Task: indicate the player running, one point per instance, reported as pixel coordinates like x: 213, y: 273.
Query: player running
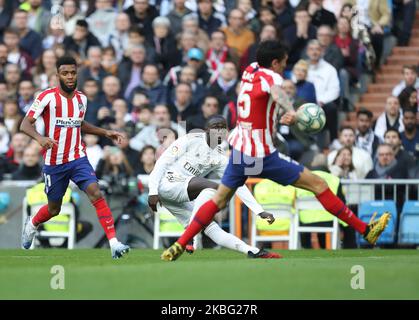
x: 62, y: 109
x: 177, y: 183
x: 253, y: 154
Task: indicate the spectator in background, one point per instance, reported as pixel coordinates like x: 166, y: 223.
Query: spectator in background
x: 26, y: 94
x: 403, y: 157
x: 209, y: 19
x: 94, y: 151
x: 403, y: 18
x: 14, y: 156
x: 164, y: 44
x: 376, y: 16
x: 147, y: 160
x: 119, y: 37
x: 326, y: 82
x: 102, y: 21
x: 17, y: 55
x: 187, y: 41
x: 319, y: 15
x: 342, y: 165
x: 4, y: 143
x: 219, y: 52
x: 39, y: 17
x: 30, y: 41
x: 166, y: 138
x: 6, y: 13
x: 390, y: 118
x: 176, y: 15
x: 297, y: 35
x: 12, y: 76
x: 93, y: 67
x: 12, y: 116
x: 334, y: 6
x: 360, y: 158
x: 410, y: 78
x: 182, y: 107
x: 365, y: 137
x: 81, y: 40
x: 349, y: 47
x: 225, y: 86
x: 44, y: 69
x: 188, y: 75
x: 209, y: 108
x: 267, y: 16
x: 3, y: 95
x: 109, y: 63
x: 410, y: 135
x: 268, y: 32
x: 71, y: 14
x: 408, y: 98
x: 91, y: 90
x: 151, y: 85
x: 190, y: 23
x: 237, y: 34
x: 283, y: 12
x: 305, y: 89
x: 3, y: 58
x: 149, y: 134
x: 387, y: 166
x: 136, y: 37
x: 129, y: 70
x: 132, y: 156
x: 142, y: 14
x: 55, y: 34
x: 250, y: 15
x: 114, y: 167
x: 30, y: 168
x: 111, y: 88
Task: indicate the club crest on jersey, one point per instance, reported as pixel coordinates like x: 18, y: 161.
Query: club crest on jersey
x: 82, y: 108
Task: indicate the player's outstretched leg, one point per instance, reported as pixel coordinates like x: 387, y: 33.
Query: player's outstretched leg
x: 45, y: 213
x: 105, y: 217
x: 371, y: 232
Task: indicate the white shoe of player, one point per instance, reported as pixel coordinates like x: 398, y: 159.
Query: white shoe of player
x: 118, y: 249
x: 28, y: 233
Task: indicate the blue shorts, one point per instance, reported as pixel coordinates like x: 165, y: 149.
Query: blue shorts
x: 58, y: 177
x: 275, y: 167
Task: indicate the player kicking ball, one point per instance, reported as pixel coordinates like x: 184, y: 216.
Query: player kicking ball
x: 177, y: 183
x: 253, y: 153
x: 62, y: 109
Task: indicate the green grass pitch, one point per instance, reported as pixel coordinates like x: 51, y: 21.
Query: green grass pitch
x: 209, y: 274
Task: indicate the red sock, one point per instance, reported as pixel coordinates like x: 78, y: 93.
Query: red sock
x: 42, y: 216
x: 336, y: 207
x: 105, y: 217
x: 201, y: 219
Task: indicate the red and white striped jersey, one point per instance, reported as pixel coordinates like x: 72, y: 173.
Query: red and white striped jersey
x: 63, y: 118
x: 257, y: 112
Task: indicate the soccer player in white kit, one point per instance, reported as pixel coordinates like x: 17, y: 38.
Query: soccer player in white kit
x: 178, y: 183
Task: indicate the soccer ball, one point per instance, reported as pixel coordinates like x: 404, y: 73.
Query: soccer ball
x: 310, y: 118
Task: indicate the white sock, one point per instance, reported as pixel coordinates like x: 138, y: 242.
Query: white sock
x: 113, y: 241
x: 227, y: 240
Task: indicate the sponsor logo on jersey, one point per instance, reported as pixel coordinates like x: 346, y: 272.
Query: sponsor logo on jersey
x: 188, y: 167
x: 68, y: 122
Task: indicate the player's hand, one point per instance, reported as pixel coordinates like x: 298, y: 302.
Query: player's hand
x: 153, y: 201
x: 115, y: 136
x: 47, y: 143
x: 289, y: 118
x: 267, y: 216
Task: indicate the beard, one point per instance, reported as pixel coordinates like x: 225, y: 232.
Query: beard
x: 68, y: 89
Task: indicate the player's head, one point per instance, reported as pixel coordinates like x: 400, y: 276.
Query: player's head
x: 272, y: 54
x: 67, y: 73
x: 216, y: 128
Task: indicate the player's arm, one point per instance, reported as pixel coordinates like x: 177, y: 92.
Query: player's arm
x: 28, y: 123
x: 169, y: 156
x: 247, y: 197
x: 89, y: 128
x: 282, y: 99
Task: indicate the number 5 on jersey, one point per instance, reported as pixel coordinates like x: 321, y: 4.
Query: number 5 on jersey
x: 243, y: 101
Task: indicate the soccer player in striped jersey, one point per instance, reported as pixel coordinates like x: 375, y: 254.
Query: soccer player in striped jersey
x: 258, y: 104
x: 62, y: 109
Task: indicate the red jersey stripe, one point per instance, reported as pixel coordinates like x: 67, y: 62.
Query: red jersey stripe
x: 69, y: 131
x: 57, y: 129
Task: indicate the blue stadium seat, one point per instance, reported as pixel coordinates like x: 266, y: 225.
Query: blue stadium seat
x: 409, y: 223
x: 365, y: 213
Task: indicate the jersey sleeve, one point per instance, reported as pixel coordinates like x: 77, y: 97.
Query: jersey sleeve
x: 38, y: 106
x: 169, y: 156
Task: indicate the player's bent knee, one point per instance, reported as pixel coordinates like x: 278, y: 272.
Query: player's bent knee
x: 54, y: 211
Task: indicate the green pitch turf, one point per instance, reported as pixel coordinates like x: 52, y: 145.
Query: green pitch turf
x: 209, y: 274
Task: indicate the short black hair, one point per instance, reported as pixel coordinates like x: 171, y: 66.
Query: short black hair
x: 364, y: 111
x: 268, y: 51
x: 82, y: 23
x: 65, y: 60
x: 412, y: 110
x: 393, y: 130
x: 215, y: 118
x: 346, y: 128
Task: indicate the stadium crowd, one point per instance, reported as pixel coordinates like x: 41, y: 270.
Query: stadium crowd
x: 158, y: 69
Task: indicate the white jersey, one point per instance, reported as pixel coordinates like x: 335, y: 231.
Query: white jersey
x: 187, y: 157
